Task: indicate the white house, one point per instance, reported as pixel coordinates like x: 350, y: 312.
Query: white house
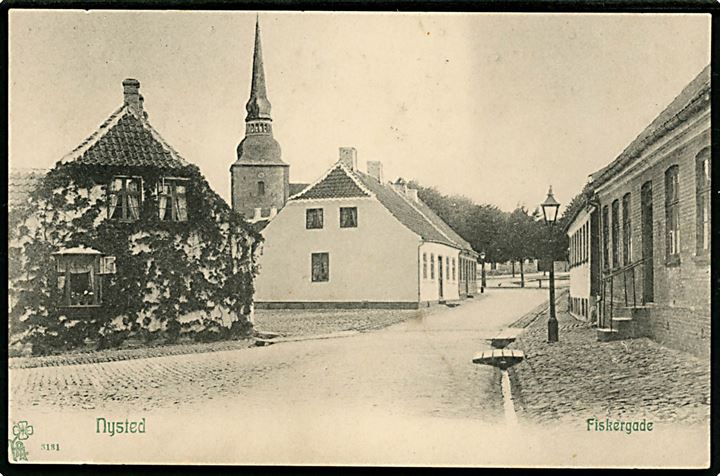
x: 353, y: 240
x: 580, y: 259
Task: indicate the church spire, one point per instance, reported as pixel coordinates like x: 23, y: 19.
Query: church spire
x: 258, y: 106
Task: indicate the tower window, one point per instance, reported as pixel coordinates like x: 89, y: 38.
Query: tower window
x: 261, y: 187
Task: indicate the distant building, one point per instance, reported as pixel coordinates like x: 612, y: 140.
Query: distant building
x: 652, y: 206
x: 583, y: 264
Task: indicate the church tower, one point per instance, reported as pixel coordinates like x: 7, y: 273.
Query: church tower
x: 259, y: 178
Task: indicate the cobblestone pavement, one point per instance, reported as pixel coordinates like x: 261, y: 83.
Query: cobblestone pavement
x: 114, y: 355
x: 579, y: 377
x: 421, y: 366
x: 292, y: 322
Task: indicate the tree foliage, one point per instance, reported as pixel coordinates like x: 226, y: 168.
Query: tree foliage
x: 166, y: 271
x: 503, y: 236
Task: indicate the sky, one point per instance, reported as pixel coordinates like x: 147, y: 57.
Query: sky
x: 495, y: 107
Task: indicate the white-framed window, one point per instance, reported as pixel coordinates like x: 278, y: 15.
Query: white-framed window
x: 125, y: 198
x: 425, y: 266
x: 702, y: 191
x: 320, y: 267
x: 313, y: 218
x: 172, y: 200
x: 348, y: 217
x: 672, y: 214
x: 80, y: 278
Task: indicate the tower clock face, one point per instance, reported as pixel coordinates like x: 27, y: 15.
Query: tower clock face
x: 261, y: 175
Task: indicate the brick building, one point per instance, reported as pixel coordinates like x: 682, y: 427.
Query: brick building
x: 652, y: 204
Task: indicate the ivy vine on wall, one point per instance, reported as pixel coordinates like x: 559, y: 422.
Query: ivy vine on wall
x: 192, y: 278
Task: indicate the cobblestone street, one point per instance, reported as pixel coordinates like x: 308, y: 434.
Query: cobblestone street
x: 408, y: 392
x: 579, y: 377
x: 422, y: 365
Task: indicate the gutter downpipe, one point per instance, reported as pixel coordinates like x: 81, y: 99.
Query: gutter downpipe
x: 419, y: 271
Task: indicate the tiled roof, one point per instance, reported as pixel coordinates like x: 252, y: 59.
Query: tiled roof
x: 340, y: 182
x: 21, y: 182
x: 336, y: 184
x: 401, y: 209
x: 444, y: 227
x: 697, y: 88
x: 126, y: 139
x: 296, y: 188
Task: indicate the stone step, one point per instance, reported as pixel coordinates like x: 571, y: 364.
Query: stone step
x: 607, y: 335
x: 266, y: 334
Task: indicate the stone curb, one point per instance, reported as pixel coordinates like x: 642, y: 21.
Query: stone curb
x: 117, y: 355
x: 260, y: 342
x: 527, y: 319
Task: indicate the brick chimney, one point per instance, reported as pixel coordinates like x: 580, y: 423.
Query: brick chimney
x: 348, y: 156
x: 375, y: 169
x: 132, y: 96
x: 400, y: 186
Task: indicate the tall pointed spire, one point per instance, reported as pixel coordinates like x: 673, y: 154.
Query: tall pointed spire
x: 258, y: 106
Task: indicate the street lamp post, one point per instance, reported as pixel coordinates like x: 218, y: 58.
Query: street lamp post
x: 482, y: 272
x: 550, y: 210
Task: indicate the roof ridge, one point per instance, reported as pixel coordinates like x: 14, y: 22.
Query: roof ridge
x: 93, y: 138
x: 336, y: 165
x: 156, y: 135
x: 688, y: 95
x: 442, y: 232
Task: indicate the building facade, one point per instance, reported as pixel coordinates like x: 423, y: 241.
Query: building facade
x: 583, y: 264
x: 653, y: 206
x: 124, y: 238
x: 352, y: 240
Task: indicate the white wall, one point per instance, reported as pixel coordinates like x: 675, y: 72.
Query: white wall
x: 376, y: 262
x: 580, y: 274
x: 429, y: 287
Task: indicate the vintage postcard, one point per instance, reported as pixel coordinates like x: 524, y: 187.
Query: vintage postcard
x: 368, y: 239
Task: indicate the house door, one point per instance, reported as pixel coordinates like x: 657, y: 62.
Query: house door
x: 440, y: 276
x: 647, y: 241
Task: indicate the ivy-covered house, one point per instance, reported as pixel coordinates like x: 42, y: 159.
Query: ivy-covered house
x: 125, y: 238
